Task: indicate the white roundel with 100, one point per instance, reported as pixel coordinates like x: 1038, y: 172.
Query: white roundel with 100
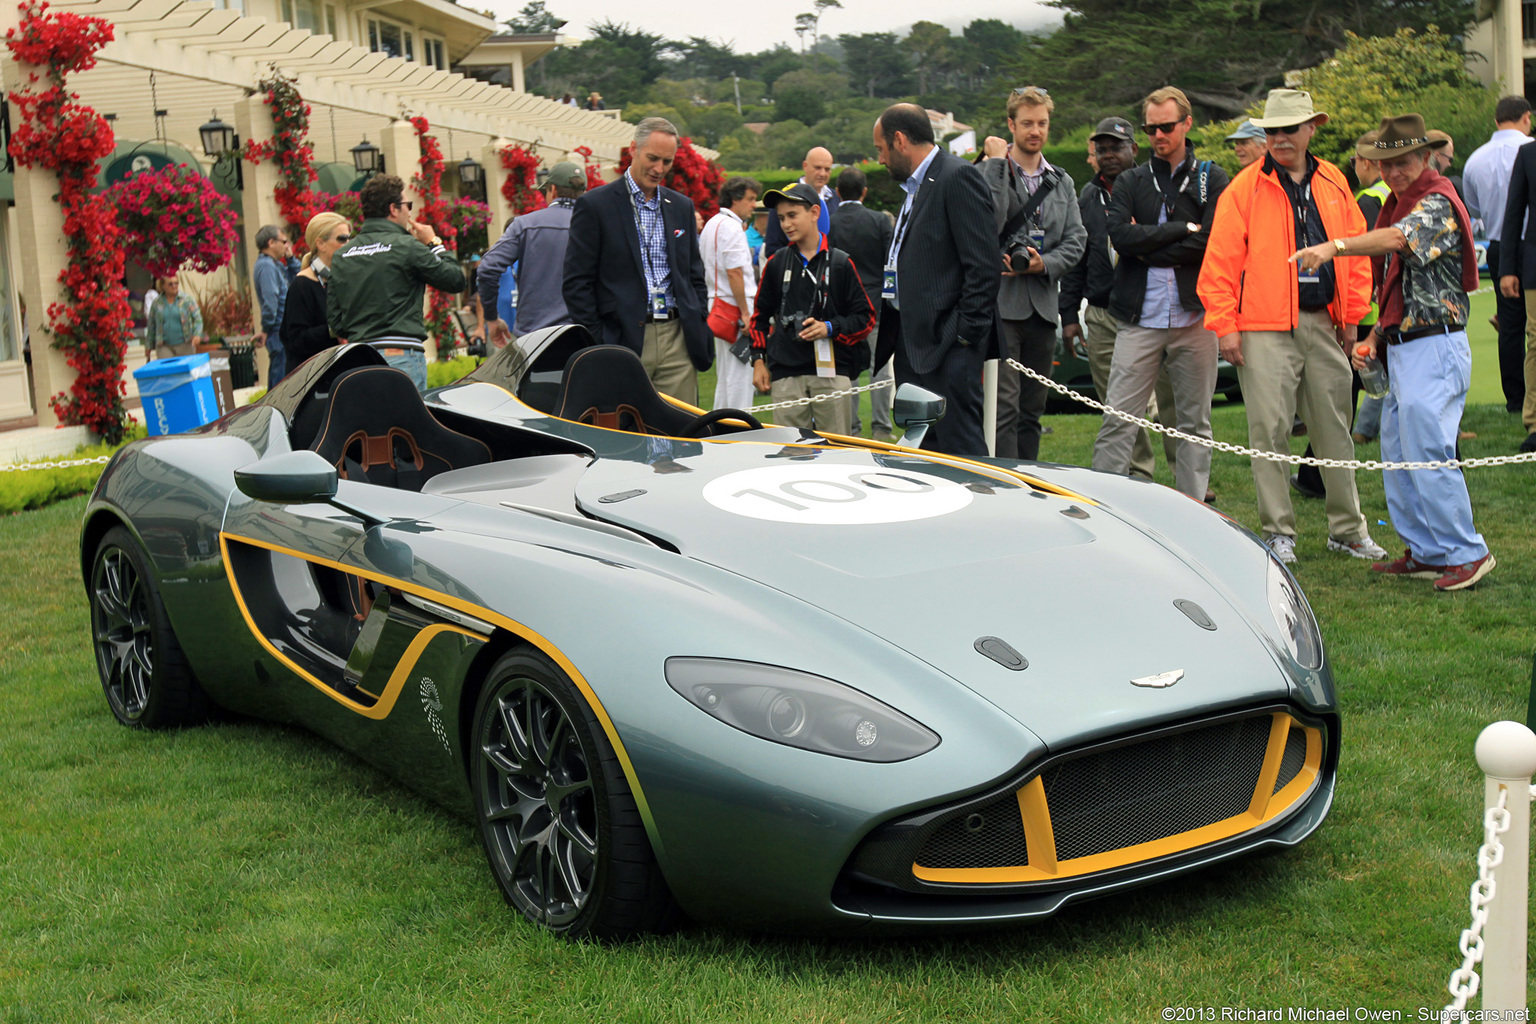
x: 833, y: 495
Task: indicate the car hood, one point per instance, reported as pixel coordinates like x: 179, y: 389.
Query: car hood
x: 937, y: 556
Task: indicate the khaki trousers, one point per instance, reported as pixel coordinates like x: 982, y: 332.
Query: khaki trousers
x: 1528, y: 411
x: 1100, y: 329
x: 827, y: 417
x: 665, y: 358
x: 1305, y: 372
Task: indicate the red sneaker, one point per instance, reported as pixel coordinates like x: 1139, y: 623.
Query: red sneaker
x: 1409, y: 566
x: 1459, y: 577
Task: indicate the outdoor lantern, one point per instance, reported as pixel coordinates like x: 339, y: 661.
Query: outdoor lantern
x: 218, y: 137
x: 367, y: 158
x: 470, y: 173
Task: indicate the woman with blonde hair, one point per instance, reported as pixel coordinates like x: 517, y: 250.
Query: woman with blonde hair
x: 305, y: 331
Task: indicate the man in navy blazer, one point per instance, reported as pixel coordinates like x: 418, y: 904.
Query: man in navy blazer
x: 939, y: 317
x: 1517, y: 270
x: 633, y: 275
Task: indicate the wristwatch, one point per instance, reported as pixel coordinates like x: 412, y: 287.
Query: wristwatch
x: 1338, y: 244
x: 435, y: 242
x: 1194, y: 228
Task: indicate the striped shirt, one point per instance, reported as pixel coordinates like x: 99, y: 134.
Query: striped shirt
x: 652, y: 230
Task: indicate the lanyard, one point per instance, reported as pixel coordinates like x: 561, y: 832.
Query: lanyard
x: 1168, y: 201
x: 1300, y: 201
x: 902, y: 223
x: 819, y: 296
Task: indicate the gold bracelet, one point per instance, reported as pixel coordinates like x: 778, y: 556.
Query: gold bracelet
x: 1338, y: 243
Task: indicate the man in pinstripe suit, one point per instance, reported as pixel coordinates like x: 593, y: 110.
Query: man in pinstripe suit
x: 939, y: 314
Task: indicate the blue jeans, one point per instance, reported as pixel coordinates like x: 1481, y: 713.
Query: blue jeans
x: 413, y: 363
x: 1420, y: 417
x: 1368, y: 418
x: 277, y: 361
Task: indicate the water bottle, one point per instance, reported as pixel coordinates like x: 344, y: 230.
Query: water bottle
x: 1373, y: 376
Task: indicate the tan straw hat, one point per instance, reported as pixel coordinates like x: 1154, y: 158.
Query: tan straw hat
x: 1398, y: 136
x: 1285, y: 107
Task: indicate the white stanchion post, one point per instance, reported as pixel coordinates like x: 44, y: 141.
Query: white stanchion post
x: 989, y: 404
x: 1506, y: 752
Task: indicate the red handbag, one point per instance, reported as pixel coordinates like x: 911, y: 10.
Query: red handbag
x: 723, y: 316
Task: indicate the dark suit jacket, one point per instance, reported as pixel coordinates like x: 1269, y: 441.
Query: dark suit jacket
x: 865, y: 235
x: 604, y: 285
x: 775, y: 240
x: 1520, y: 259
x: 948, y: 269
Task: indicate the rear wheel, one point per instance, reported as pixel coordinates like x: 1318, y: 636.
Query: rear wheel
x: 144, y: 673
x: 560, y: 826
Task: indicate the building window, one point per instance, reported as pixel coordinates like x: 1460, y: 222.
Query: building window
x: 302, y: 14
x: 388, y: 37
x: 434, y: 53
x: 330, y: 21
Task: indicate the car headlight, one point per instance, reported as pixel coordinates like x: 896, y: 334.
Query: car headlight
x: 1297, y: 626
x: 798, y: 709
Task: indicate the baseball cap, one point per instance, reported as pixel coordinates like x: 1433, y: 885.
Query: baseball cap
x: 566, y: 175
x: 1247, y: 130
x: 1115, y: 128
x: 798, y: 192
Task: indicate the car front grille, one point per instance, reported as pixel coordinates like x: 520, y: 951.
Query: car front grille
x: 1111, y: 805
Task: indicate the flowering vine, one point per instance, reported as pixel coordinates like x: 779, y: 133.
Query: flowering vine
x: 692, y: 175
x: 290, y: 150
x: 174, y: 217
x: 58, y: 133
x: 434, y: 211
x: 521, y: 187
x: 594, y: 176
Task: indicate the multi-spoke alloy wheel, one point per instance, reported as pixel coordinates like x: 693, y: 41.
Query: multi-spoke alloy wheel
x: 143, y: 672
x: 560, y: 826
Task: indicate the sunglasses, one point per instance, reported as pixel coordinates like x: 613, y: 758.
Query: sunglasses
x: 408, y: 204
x: 342, y: 238
x: 1022, y: 89
x: 1166, y: 128
x: 1290, y: 129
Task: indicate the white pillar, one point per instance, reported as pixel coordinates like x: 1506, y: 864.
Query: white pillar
x: 1509, y: 48
x: 258, y: 198
x: 402, y: 154
x: 495, y: 177
x: 1506, y: 752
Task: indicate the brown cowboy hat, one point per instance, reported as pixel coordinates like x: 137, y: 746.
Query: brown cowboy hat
x: 1398, y: 136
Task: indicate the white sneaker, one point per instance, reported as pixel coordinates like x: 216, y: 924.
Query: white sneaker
x: 1363, y: 548
x: 1284, y: 547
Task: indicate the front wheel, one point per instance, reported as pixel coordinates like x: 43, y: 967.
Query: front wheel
x: 144, y: 673
x: 560, y: 825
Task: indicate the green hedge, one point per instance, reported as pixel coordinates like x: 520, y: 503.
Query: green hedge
x: 34, y: 488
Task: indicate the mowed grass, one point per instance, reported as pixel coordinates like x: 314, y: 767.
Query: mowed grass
x: 253, y: 873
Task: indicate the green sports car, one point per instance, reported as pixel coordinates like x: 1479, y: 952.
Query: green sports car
x: 672, y: 662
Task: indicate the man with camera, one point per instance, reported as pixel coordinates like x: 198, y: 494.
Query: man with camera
x: 810, y: 319
x: 1042, y: 237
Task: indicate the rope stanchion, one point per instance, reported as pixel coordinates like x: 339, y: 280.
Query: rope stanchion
x: 1251, y: 453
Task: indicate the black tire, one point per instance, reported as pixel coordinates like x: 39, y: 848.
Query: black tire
x: 144, y: 674
x: 559, y: 823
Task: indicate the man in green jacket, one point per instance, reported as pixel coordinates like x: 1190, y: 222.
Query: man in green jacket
x: 378, y: 282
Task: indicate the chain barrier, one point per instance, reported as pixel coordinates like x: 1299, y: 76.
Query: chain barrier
x: 23, y: 467
x: 830, y: 396
x: 1465, y: 979
x: 1235, y: 449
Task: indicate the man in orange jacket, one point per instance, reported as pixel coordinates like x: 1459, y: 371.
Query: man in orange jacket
x: 1288, y: 331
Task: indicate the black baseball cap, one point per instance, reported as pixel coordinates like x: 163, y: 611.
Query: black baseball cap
x: 798, y: 192
x: 1114, y: 128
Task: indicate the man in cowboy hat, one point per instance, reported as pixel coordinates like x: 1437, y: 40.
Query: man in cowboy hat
x: 1288, y: 333
x: 1428, y: 269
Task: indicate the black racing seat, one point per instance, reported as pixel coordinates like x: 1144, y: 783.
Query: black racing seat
x: 607, y: 386
x: 375, y: 428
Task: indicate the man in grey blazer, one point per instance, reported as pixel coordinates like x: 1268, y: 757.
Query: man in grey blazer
x: 939, y: 286
x: 1041, y: 233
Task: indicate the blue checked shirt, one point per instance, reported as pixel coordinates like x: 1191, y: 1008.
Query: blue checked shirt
x: 653, y: 241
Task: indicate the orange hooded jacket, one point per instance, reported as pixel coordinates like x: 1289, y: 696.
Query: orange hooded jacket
x: 1246, y: 283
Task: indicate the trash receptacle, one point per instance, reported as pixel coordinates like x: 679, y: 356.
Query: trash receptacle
x: 177, y: 394
x: 242, y: 363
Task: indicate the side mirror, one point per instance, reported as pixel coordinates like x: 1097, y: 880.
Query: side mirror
x: 295, y: 478
x: 916, y: 410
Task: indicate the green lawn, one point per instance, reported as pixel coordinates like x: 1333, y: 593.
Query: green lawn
x: 252, y: 873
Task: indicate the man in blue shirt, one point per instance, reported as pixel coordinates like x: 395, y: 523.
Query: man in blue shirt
x: 535, y: 243
x: 272, y: 278
x: 1485, y: 185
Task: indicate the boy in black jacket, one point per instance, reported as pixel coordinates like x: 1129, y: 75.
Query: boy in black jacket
x: 811, y: 316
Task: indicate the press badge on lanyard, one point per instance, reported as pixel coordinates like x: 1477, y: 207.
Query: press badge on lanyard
x: 659, y: 303
x: 1303, y: 275
x: 888, y: 282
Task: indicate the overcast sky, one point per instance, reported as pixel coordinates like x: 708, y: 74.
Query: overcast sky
x: 753, y: 27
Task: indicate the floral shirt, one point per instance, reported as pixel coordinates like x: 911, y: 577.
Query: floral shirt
x: 173, y: 321
x: 1432, y: 292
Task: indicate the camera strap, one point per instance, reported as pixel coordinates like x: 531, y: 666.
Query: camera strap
x: 1031, y: 205
x: 819, y: 289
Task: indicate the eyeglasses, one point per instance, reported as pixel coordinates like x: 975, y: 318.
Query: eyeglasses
x: 1166, y: 128
x: 408, y: 204
x: 1019, y: 90
x: 1290, y: 129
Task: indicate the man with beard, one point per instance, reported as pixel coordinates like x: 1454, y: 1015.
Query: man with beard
x: 939, y: 286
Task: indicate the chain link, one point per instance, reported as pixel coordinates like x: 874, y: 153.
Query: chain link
x: 830, y: 396
x: 1464, y: 979
x: 23, y: 467
x: 1235, y: 449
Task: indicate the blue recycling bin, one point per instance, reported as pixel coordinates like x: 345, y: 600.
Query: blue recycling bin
x: 177, y: 393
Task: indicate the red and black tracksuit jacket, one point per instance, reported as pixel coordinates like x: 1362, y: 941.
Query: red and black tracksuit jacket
x: 826, y: 287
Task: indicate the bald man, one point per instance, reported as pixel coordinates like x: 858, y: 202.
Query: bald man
x: 816, y: 172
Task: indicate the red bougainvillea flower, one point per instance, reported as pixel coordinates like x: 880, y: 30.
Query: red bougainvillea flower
x: 174, y: 218
x: 692, y: 175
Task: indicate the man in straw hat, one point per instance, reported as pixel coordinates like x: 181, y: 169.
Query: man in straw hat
x: 1428, y: 267
x: 1288, y: 333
